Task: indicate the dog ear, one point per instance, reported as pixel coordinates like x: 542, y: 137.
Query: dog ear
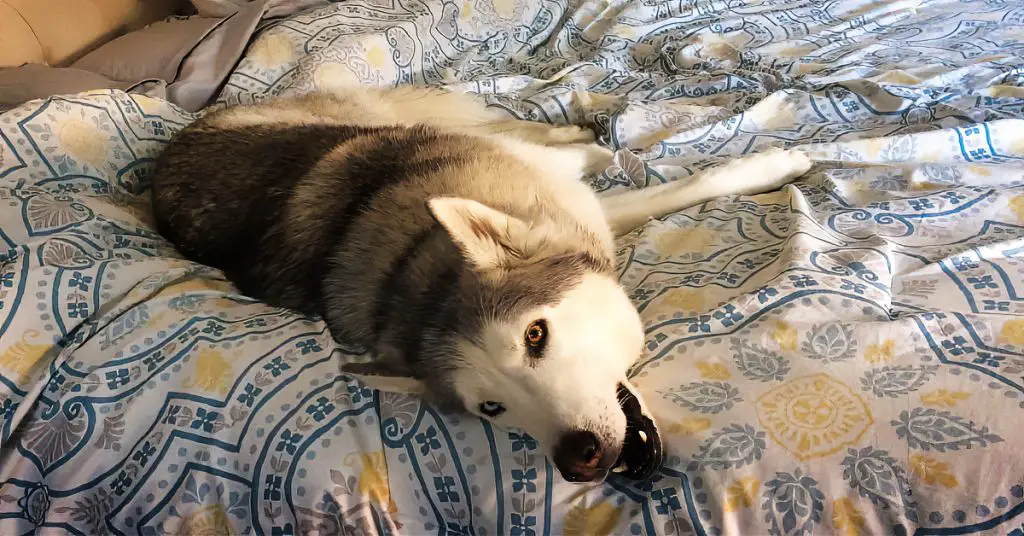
x: 384, y: 376
x: 488, y: 238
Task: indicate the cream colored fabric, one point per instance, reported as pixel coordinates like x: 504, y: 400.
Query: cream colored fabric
x: 56, y: 32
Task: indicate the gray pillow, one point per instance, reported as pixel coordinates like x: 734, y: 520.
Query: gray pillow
x: 155, y: 51
x: 32, y: 81
x: 208, y: 66
x: 275, y: 8
x: 193, y: 55
x: 218, y: 8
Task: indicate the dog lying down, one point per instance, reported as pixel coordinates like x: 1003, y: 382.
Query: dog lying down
x: 457, y: 244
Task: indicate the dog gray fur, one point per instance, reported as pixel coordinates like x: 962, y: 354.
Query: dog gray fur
x: 428, y: 229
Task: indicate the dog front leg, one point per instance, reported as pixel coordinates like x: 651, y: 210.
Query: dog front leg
x: 569, y: 162
x: 754, y: 174
x: 538, y: 133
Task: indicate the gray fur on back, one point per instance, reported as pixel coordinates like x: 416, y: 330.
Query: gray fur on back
x: 330, y: 217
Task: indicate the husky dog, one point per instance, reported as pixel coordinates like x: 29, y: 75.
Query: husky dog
x: 458, y: 245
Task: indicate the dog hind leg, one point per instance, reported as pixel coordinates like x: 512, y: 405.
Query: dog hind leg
x: 754, y: 174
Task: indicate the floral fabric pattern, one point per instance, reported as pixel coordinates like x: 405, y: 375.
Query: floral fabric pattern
x: 844, y: 355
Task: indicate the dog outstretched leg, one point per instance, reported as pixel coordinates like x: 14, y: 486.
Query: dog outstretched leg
x: 539, y: 133
x: 467, y: 113
x: 758, y: 173
x: 561, y: 161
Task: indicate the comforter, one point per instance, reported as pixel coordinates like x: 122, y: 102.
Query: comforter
x: 842, y: 356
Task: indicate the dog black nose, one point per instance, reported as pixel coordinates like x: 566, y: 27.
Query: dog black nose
x: 578, y: 456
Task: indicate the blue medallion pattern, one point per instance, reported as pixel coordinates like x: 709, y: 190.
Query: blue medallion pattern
x: 844, y: 355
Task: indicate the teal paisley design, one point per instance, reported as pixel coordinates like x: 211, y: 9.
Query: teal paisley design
x: 758, y: 363
x: 830, y: 342
x: 879, y: 294
x: 731, y: 447
x: 704, y: 397
x: 892, y: 382
x: 876, y: 475
x: 792, y: 504
x: 941, y: 431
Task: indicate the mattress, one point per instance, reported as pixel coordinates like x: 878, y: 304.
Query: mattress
x: 842, y: 356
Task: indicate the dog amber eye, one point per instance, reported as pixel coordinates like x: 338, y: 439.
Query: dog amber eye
x: 536, y: 334
x: 492, y: 409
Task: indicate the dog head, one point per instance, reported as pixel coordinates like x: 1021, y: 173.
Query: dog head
x: 544, y: 340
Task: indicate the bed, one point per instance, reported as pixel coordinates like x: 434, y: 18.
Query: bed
x: 842, y: 356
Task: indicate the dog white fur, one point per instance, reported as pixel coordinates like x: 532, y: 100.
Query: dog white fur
x: 569, y: 400
x: 600, y: 333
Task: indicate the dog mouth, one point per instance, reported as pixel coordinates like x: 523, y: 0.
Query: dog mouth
x: 642, y: 452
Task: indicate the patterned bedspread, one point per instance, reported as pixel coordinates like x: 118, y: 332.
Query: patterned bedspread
x: 843, y: 356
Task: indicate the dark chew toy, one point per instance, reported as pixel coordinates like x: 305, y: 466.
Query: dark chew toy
x: 642, y: 453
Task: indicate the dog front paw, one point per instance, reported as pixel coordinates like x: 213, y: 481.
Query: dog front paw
x: 775, y: 167
x: 570, y: 135
x: 782, y: 164
x: 598, y: 158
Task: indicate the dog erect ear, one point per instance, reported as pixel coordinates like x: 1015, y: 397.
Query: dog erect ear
x: 384, y: 376
x: 489, y: 238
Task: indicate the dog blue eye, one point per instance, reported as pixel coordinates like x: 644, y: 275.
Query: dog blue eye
x: 492, y: 409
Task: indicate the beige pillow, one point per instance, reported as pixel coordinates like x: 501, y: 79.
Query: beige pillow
x: 217, y: 8
x: 193, y: 55
x: 155, y: 51
x: 32, y: 81
x: 275, y: 8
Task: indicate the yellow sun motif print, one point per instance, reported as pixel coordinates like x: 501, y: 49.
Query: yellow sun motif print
x: 18, y: 359
x: 681, y: 301
x: 983, y: 171
x: 1006, y: 92
x: 334, y: 76
x: 944, y: 398
x: 693, y: 240
x: 377, y: 53
x: 1013, y: 332
x: 814, y: 416
x: 689, y: 426
x: 373, y: 480
x: 847, y: 520
x: 932, y: 471
x: 742, y: 493
x: 148, y: 105
x: 505, y: 8
x: 209, y: 519
x: 272, y: 51
x: 596, y: 520
x: 213, y: 372
x: 785, y: 336
x: 880, y: 353
x: 924, y: 186
x: 83, y: 142
x: 713, y: 371
x: 1017, y: 206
